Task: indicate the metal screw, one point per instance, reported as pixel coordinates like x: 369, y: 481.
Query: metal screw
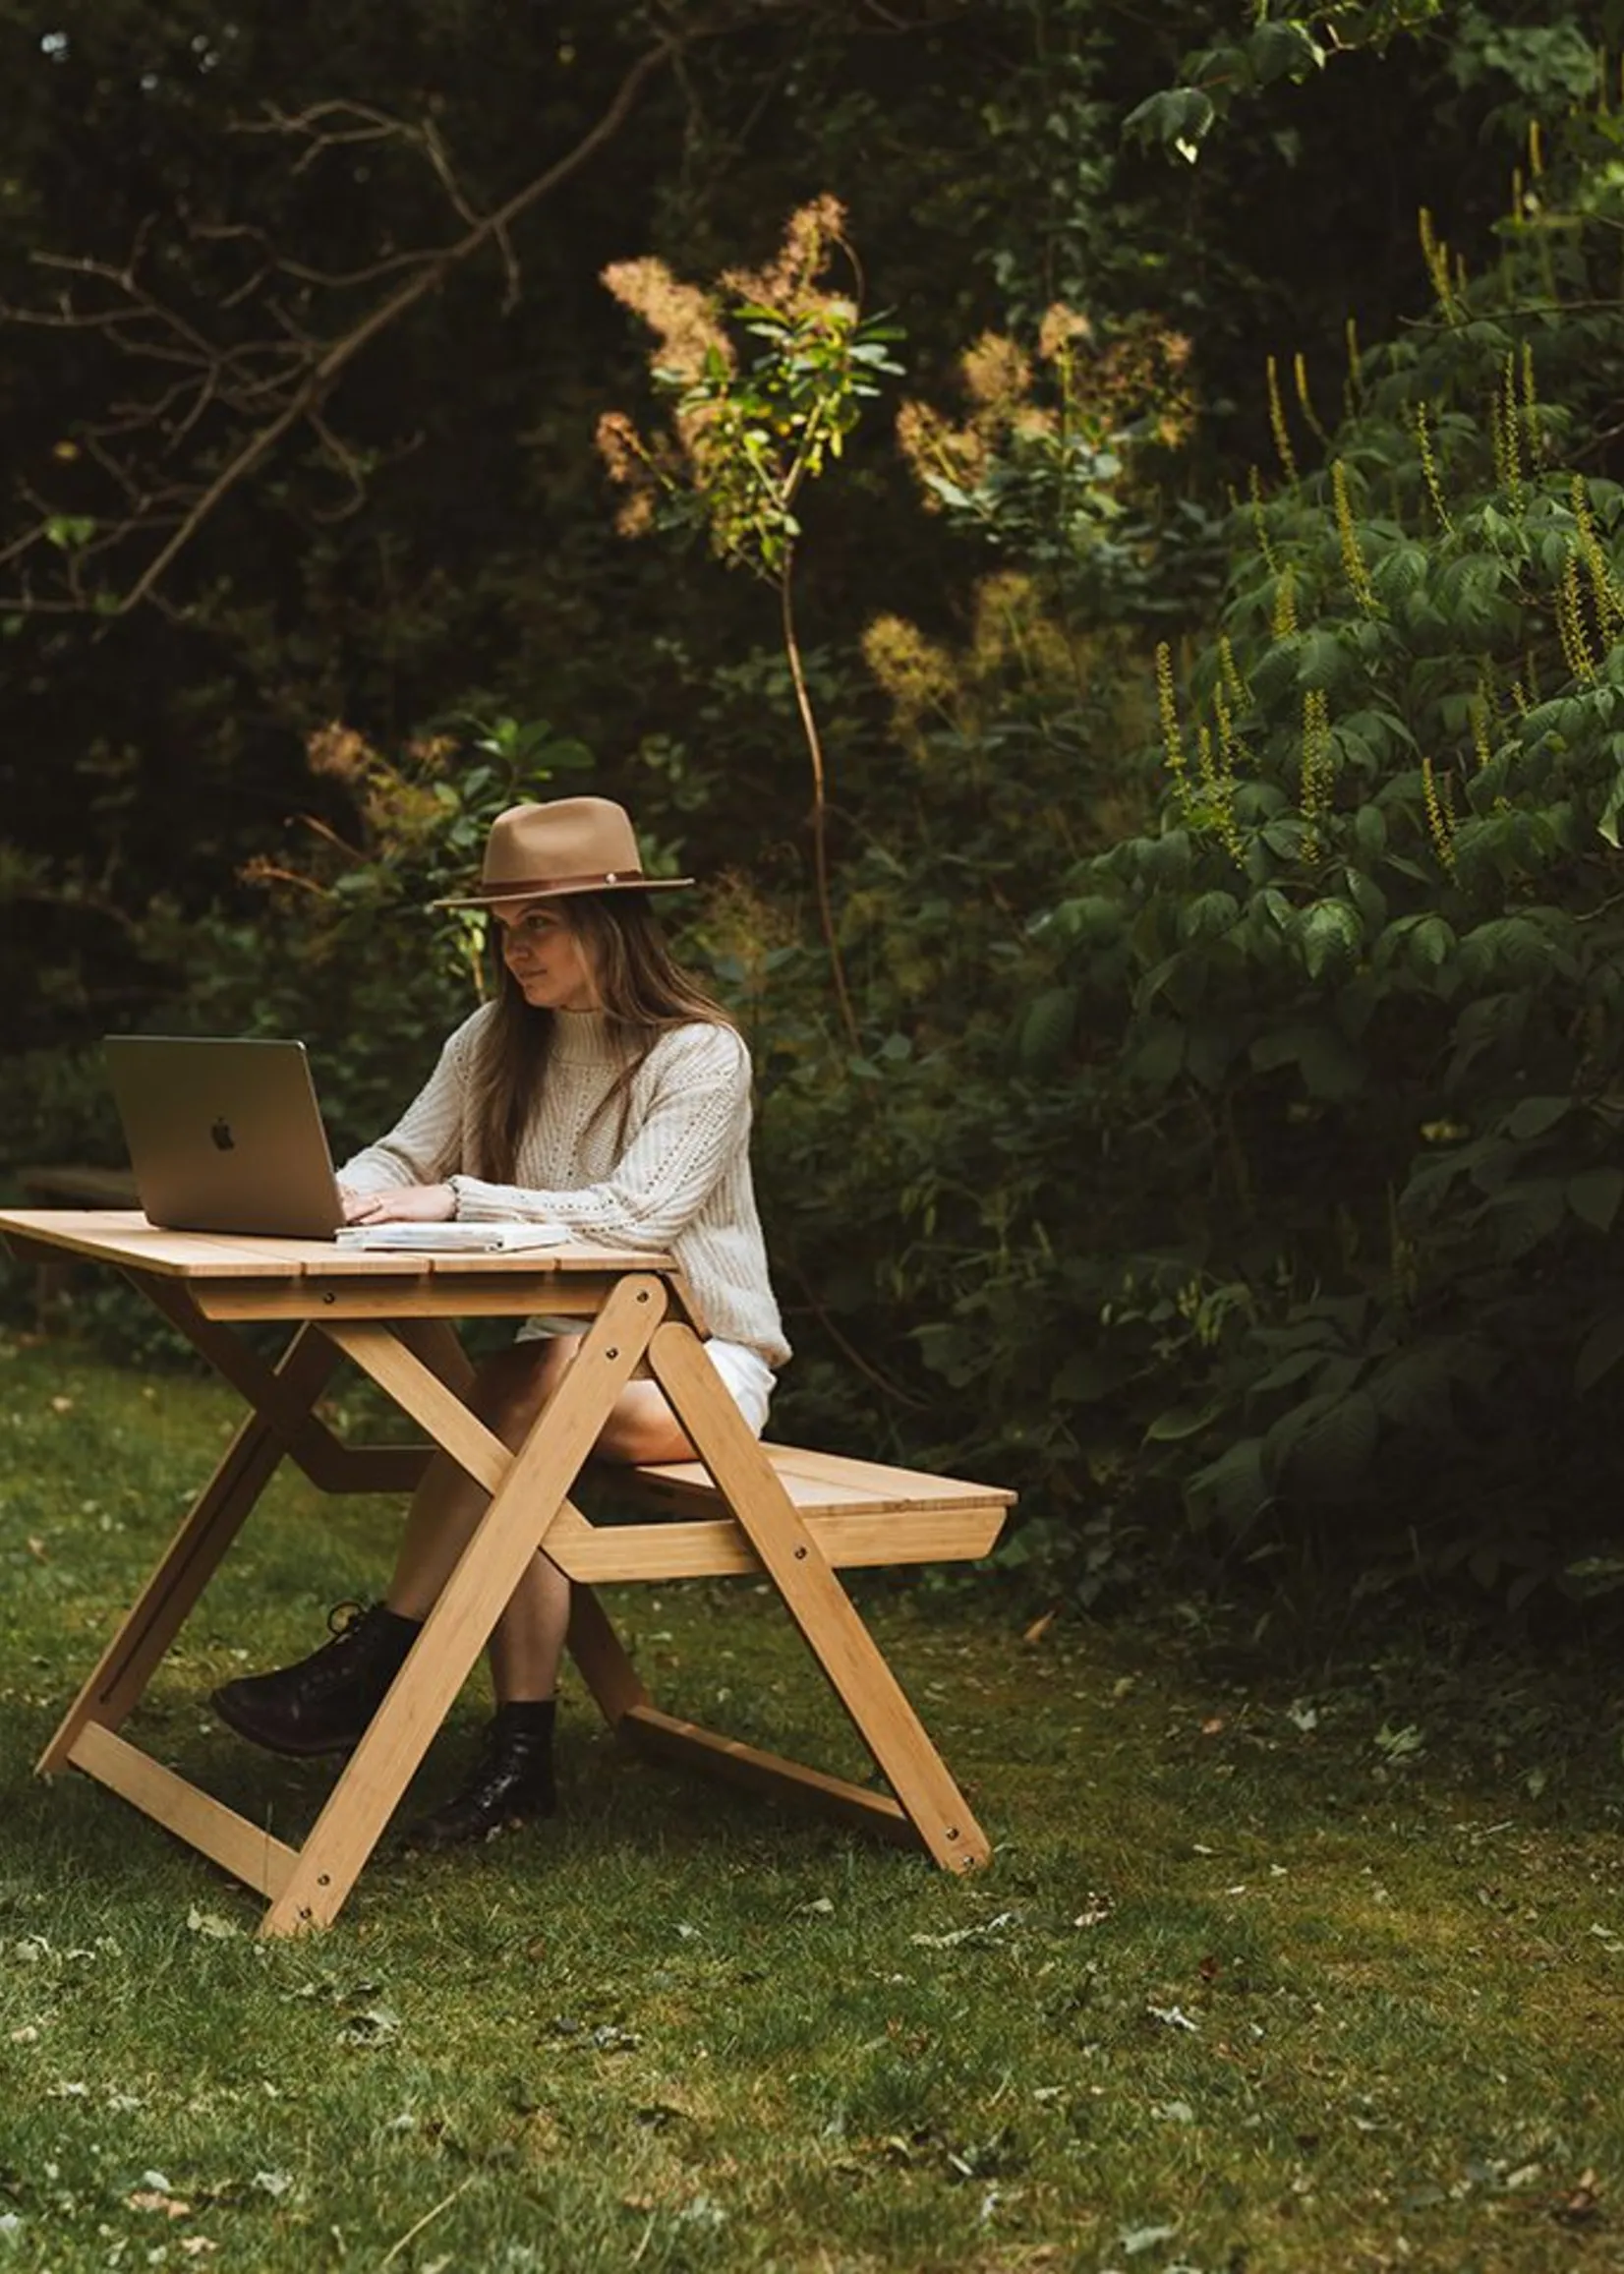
x: 329, y: 1297
x: 642, y: 1294
x: 611, y: 1353
x: 800, y: 1555
x: 322, y: 1879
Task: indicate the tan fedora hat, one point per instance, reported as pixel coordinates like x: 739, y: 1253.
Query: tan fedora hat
x: 572, y: 844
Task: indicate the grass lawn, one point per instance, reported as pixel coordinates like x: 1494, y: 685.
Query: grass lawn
x: 1287, y: 1973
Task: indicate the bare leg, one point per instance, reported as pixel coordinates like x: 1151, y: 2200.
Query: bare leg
x: 510, y: 1390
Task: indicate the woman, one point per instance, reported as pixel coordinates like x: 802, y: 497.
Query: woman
x: 601, y: 1090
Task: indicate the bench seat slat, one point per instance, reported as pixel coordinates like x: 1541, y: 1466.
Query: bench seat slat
x: 818, y: 1485
x: 713, y: 1548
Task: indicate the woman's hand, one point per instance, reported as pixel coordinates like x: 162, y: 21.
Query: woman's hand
x: 400, y: 1205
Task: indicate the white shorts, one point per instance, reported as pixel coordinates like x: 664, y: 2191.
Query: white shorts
x: 749, y: 1378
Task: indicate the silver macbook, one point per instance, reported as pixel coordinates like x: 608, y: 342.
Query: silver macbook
x: 224, y: 1136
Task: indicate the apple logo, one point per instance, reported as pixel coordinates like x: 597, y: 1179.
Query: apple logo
x: 221, y: 1134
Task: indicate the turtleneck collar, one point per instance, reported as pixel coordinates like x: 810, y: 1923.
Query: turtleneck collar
x: 583, y: 1038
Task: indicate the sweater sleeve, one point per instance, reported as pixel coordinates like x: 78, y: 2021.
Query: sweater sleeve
x: 426, y: 1144
x: 686, y: 1127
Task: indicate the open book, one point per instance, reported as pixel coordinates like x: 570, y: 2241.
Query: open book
x: 454, y: 1239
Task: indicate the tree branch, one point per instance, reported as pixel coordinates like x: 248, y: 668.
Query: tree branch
x: 236, y: 378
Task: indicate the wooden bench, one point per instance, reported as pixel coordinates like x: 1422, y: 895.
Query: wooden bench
x: 68, y: 1185
x: 853, y: 1513
x: 860, y: 1512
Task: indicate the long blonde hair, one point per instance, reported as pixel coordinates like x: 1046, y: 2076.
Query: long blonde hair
x: 641, y: 991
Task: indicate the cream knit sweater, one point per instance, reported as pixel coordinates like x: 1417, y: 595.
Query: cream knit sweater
x: 682, y: 1185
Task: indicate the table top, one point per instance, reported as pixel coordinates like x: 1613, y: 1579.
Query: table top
x: 123, y: 1236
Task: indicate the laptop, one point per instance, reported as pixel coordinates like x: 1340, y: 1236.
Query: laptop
x: 224, y: 1135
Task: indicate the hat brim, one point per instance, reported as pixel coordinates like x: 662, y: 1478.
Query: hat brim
x: 525, y: 897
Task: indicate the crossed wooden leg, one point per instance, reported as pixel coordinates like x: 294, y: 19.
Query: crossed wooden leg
x: 281, y: 1417
x: 929, y: 1805
x: 528, y: 1490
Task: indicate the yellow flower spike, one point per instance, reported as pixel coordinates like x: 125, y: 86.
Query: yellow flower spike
x: 1510, y: 427
x: 1440, y: 818
x: 1605, y: 596
x: 1435, y: 255
x: 1277, y: 422
x: 1353, y: 559
x: 1480, y: 715
x: 1349, y: 337
x: 1317, y: 775
x: 1225, y: 730
x: 1284, y: 625
x: 1429, y: 467
x: 1571, y: 626
x: 1167, y: 706
x: 1206, y: 761
x: 1300, y: 379
x: 1230, y: 671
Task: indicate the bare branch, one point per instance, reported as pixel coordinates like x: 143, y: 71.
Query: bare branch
x: 275, y: 385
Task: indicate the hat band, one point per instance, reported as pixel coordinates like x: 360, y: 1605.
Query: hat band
x: 522, y: 887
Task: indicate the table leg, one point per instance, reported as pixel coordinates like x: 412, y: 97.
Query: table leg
x: 530, y: 1487
x: 815, y: 1600
x: 215, y: 1518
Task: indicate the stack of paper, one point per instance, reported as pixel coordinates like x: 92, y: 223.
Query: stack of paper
x: 453, y: 1239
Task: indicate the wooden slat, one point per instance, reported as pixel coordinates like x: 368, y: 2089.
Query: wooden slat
x: 663, y: 1734
x: 123, y: 1236
x: 715, y: 1547
x: 231, y: 1841
x: 436, y: 1295
x: 816, y: 1484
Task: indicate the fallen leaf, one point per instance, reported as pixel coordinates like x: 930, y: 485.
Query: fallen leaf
x: 1134, y: 2240
x: 61, y: 1405
x: 209, y: 1923
x: 1582, y: 2203
x: 1040, y: 1626
x: 154, y: 2200
x: 37, y: 1548
x: 373, y: 2026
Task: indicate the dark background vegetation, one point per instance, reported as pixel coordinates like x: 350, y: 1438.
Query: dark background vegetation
x: 1227, y: 1157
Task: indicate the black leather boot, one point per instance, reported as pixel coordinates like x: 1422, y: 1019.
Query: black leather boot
x: 511, y: 1779
x: 323, y: 1704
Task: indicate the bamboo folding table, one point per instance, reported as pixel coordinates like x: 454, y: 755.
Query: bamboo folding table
x: 792, y: 1517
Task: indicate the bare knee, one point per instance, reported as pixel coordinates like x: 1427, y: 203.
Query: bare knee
x: 642, y: 1427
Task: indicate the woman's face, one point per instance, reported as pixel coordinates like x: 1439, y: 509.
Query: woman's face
x: 547, y: 957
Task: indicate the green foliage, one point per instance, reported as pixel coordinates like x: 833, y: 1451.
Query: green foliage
x: 1286, y: 39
